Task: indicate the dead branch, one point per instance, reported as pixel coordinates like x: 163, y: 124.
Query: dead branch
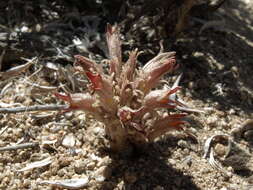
x: 18, y: 69
x: 41, y: 87
x: 19, y: 146
x: 33, y: 108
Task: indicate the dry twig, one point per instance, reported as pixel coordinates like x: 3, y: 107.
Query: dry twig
x: 37, y: 164
x: 4, y: 129
x: 67, y: 183
x: 19, y: 146
x: 41, y: 87
x: 18, y: 69
x: 33, y: 108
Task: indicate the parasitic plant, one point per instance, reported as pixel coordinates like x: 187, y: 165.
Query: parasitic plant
x: 126, y: 99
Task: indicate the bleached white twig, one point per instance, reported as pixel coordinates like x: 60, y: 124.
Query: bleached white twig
x: 67, y: 183
x: 33, y: 108
x: 37, y: 164
x: 19, y: 146
x: 41, y: 87
x: 14, y: 71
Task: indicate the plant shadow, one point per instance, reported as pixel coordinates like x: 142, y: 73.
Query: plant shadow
x: 240, y: 160
x: 218, y: 62
x: 148, y: 169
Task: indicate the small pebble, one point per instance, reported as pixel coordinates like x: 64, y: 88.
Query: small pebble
x: 62, y: 172
x: 102, y: 173
x: 104, y: 161
x: 159, y: 188
x: 97, y: 130
x: 69, y: 141
x: 220, y: 149
x: 65, y: 161
x: 188, y: 161
x: 172, y: 161
x: 69, y: 115
x: 80, y: 166
x: 91, y: 165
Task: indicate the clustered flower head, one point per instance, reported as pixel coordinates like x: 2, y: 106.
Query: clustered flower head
x: 126, y: 98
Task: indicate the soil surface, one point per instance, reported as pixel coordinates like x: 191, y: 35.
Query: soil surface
x: 215, y: 57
